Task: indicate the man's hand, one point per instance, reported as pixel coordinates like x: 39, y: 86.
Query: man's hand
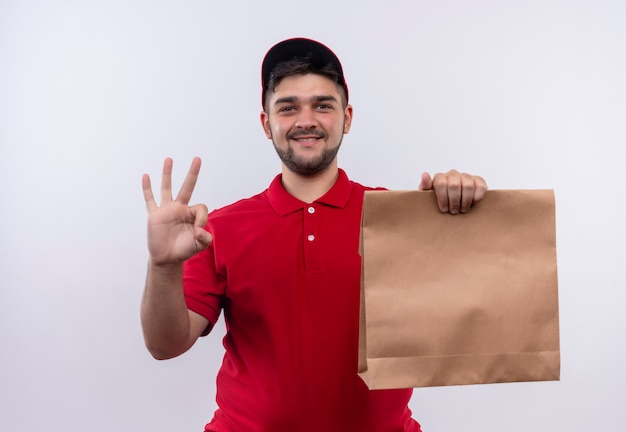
x: 456, y: 192
x: 175, y: 229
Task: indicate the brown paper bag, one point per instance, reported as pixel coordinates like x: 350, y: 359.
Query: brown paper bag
x: 458, y: 299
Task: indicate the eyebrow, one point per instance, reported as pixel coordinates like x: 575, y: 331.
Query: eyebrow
x: 292, y: 99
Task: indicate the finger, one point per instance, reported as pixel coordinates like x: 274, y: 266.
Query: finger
x: 467, y: 192
x: 480, y: 188
x: 454, y: 191
x: 147, y: 192
x: 426, y: 183
x: 166, y: 181
x: 186, y: 190
x: 440, y: 186
x: 202, y: 237
x: 200, y: 214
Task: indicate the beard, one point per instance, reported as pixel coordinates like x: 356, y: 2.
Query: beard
x: 308, y: 167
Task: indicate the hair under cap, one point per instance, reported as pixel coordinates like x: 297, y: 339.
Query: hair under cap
x: 299, y: 48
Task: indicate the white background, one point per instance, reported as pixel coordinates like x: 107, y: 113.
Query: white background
x: 529, y: 94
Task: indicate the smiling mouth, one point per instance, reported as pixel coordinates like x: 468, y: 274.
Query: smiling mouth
x: 306, y: 136
x: 306, y: 141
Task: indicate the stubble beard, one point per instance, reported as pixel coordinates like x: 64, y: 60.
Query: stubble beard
x: 309, y: 167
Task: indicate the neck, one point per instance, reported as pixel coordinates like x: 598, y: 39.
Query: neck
x: 310, y: 188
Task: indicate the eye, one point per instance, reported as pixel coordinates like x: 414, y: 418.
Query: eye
x: 286, y: 109
x: 324, y: 106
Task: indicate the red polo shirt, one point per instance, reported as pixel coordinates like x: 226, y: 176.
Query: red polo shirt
x: 287, y: 275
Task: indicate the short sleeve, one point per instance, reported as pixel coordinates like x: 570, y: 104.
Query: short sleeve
x: 204, y: 289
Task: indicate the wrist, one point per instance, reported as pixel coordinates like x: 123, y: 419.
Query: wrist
x: 165, y: 266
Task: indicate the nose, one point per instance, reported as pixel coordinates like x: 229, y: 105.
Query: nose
x: 306, y: 119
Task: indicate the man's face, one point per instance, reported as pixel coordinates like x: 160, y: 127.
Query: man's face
x: 305, y: 118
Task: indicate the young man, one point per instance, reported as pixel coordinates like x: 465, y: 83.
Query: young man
x: 283, y: 266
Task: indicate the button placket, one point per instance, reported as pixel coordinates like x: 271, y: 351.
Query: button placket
x: 310, y: 234
x: 310, y: 237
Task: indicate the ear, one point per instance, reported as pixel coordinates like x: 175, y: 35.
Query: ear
x: 347, y: 119
x: 265, y: 123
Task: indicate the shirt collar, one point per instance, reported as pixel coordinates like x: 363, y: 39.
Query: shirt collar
x: 285, y: 203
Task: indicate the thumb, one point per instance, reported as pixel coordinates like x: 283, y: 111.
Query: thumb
x: 202, y: 238
x: 426, y: 183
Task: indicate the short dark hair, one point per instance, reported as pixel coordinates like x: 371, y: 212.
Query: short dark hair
x: 302, y: 66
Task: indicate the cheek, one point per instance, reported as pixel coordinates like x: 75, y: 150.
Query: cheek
x: 278, y: 130
x: 338, y: 127
x: 274, y: 131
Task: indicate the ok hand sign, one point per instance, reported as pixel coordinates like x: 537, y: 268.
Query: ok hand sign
x: 175, y: 229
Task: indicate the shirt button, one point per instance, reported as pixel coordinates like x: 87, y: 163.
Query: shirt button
x: 311, y: 237
x: 311, y: 210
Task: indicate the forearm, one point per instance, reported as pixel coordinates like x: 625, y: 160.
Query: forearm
x: 164, y: 315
